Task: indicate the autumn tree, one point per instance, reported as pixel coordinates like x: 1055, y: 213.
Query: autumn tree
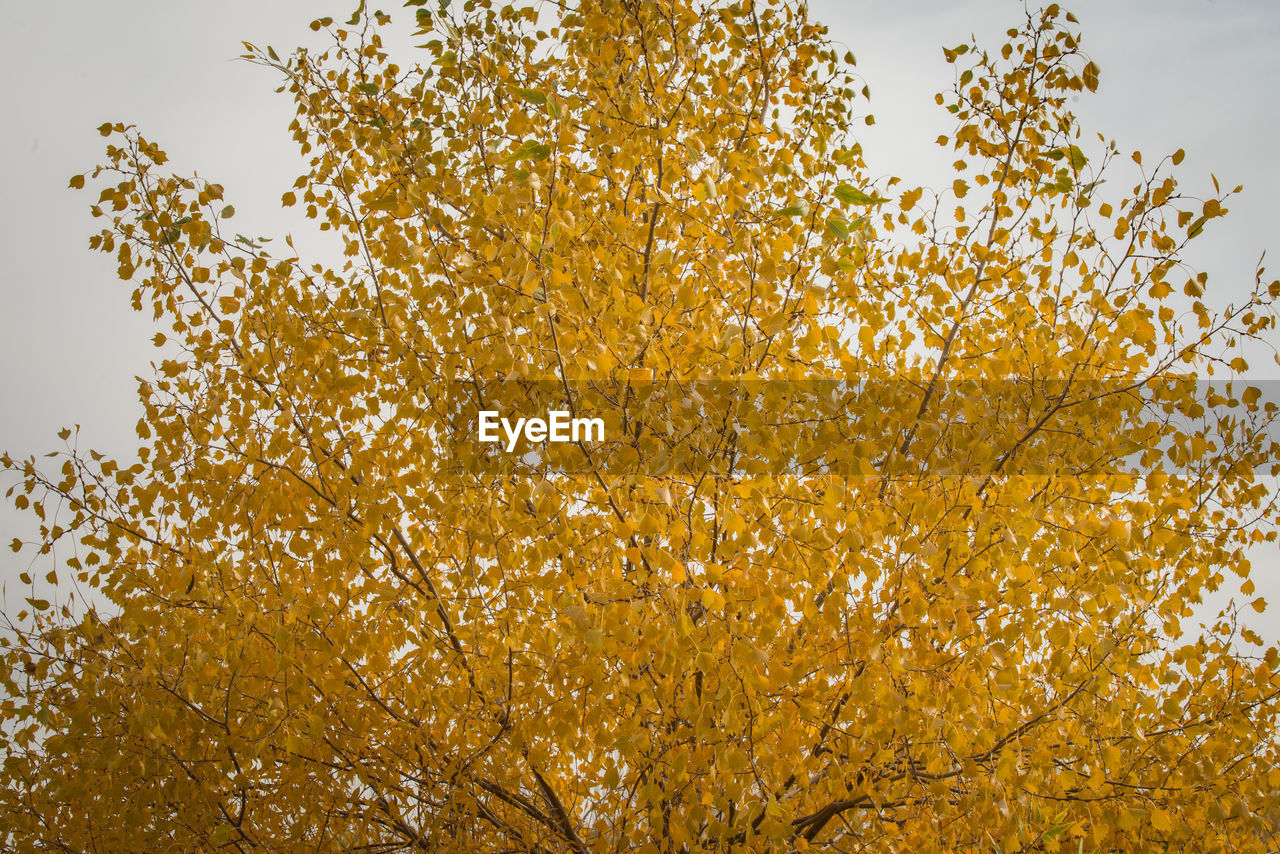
x: 894, y: 542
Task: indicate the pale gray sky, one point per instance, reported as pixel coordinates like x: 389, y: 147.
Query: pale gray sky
x: 1195, y: 74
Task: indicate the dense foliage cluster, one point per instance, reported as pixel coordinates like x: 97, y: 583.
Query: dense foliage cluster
x: 915, y: 571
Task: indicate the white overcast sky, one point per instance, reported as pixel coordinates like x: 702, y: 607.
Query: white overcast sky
x: 1194, y: 74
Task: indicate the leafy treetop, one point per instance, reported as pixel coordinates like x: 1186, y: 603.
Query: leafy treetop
x: 956, y: 624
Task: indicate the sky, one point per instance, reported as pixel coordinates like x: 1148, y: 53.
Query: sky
x: 1193, y: 74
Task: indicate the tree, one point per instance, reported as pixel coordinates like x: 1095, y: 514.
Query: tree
x: 904, y: 497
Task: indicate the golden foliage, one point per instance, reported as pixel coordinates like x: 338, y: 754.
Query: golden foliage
x: 957, y: 624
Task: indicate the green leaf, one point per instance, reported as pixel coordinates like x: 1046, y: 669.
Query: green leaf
x: 847, y: 155
x: 797, y: 209
x: 528, y: 150
x: 533, y: 96
x: 838, y: 227
x: 1056, y: 831
x: 370, y: 89
x: 1071, y: 153
x: 853, y: 196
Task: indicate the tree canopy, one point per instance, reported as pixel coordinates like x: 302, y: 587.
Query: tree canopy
x: 906, y: 500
